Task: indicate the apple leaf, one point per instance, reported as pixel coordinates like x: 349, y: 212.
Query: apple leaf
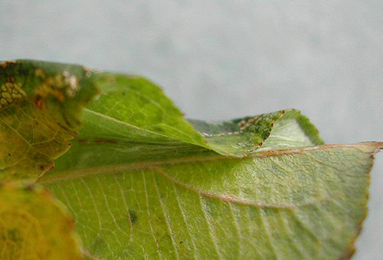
x: 306, y: 203
x: 40, y: 105
x: 34, y: 225
x: 143, y: 182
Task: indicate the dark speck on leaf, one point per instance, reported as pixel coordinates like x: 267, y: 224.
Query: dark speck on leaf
x: 132, y: 216
x: 13, y: 235
x: 29, y: 187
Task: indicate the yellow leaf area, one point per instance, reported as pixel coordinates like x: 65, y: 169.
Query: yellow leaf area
x: 34, y: 225
x: 29, y: 141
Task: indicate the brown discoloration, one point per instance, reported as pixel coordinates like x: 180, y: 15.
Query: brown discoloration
x: 39, y: 103
x: 46, y: 193
x: 60, y: 86
x: 51, y: 167
x: 83, y: 141
x: 29, y: 187
x: 59, y: 95
x: 46, y: 168
x: 348, y: 254
x: 97, y: 141
x: 5, y: 64
x: 378, y: 148
x: 240, y: 124
x: 193, y: 159
x: 104, y: 141
x: 244, y: 125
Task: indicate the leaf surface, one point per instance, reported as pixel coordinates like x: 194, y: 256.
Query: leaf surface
x: 34, y: 225
x: 293, y: 204
x: 143, y: 182
x: 40, y: 107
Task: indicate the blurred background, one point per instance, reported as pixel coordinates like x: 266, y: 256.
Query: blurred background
x: 222, y: 59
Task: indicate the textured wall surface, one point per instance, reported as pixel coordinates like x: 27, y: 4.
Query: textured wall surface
x: 223, y: 59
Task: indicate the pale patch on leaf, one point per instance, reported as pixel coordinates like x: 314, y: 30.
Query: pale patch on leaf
x: 33, y: 225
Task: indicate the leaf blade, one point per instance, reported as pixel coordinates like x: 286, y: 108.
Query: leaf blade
x: 139, y: 171
x: 183, y: 193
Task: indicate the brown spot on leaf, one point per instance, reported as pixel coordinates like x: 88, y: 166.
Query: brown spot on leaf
x: 38, y: 102
x: 104, y: 141
x: 6, y: 63
x: 83, y: 141
x: 51, y: 168
x: 29, y: 187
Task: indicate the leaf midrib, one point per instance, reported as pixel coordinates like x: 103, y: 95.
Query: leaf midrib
x: 79, y: 173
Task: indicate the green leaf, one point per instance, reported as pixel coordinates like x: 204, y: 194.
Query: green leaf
x: 143, y: 182
x: 41, y: 107
x: 294, y: 204
x: 34, y: 225
x: 284, y: 129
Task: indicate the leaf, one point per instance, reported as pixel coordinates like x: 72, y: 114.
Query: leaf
x: 34, y: 225
x: 40, y: 105
x: 133, y: 121
x: 294, y: 204
x: 143, y: 182
x: 279, y: 130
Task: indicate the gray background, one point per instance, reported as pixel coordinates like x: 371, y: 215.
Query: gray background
x: 223, y: 59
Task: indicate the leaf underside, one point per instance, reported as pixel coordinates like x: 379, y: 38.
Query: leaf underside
x: 143, y: 182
